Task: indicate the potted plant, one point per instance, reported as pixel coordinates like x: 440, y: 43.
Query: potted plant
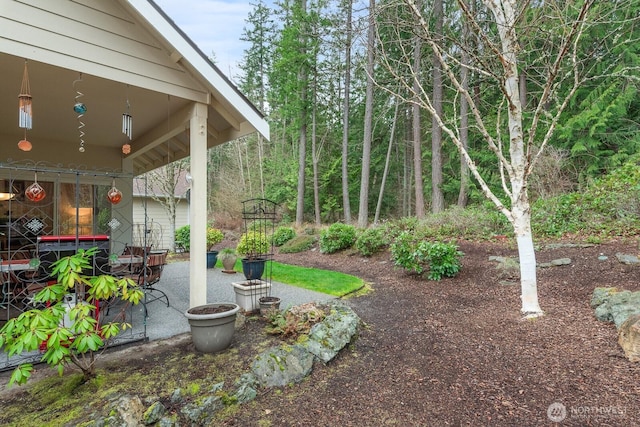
x: 228, y: 257
x: 212, y: 326
x: 254, y: 247
x: 214, y: 236
x: 268, y: 304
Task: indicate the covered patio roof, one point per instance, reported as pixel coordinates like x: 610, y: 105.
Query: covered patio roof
x: 103, y: 54
x: 110, y: 52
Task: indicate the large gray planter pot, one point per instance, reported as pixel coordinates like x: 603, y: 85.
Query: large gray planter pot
x: 212, y: 326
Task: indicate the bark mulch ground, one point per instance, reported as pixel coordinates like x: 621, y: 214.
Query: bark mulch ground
x: 457, y: 352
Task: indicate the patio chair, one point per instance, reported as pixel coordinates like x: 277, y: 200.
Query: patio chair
x: 20, y: 282
x: 146, y: 275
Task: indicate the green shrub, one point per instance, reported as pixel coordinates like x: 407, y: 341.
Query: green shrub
x: 253, y: 244
x: 609, y: 206
x: 214, y: 236
x: 298, y: 244
x: 337, y: 237
x: 439, y: 259
x: 182, y: 237
x: 443, y: 259
x: 81, y: 338
x: 372, y: 240
x: 394, y: 228
x: 282, y: 235
x: 402, y: 252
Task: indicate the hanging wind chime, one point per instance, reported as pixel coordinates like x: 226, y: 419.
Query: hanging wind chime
x: 25, y: 111
x: 80, y: 109
x: 127, y: 126
x: 35, y: 192
x: 114, y: 195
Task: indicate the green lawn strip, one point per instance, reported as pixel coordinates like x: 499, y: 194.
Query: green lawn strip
x: 325, y: 281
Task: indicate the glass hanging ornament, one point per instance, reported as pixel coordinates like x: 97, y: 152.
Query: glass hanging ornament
x: 114, y: 195
x: 35, y: 192
x: 25, y: 111
x: 80, y: 109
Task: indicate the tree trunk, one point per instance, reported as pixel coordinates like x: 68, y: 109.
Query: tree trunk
x: 314, y: 159
x: 363, y: 211
x: 437, y: 198
x: 302, y: 149
x: 505, y: 16
x: 463, y: 195
x: 527, y: 256
x: 346, y: 204
x: 386, y: 163
x: 417, y: 129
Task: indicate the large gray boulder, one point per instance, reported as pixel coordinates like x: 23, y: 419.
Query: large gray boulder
x: 288, y: 364
x: 282, y: 365
x: 629, y: 338
x: 328, y: 337
x: 615, y: 306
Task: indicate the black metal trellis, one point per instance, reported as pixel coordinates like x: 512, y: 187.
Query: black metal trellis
x: 259, y: 218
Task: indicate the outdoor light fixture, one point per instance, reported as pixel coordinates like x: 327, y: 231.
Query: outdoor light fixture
x: 6, y: 196
x: 188, y: 178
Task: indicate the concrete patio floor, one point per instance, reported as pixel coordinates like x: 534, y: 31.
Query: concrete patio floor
x: 165, y: 322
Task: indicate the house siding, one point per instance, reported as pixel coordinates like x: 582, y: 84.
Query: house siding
x: 97, y: 36
x: 160, y: 235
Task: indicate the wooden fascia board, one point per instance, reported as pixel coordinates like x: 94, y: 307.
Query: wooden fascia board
x: 220, y: 109
x: 193, y: 59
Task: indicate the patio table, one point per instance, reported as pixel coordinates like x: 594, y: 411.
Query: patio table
x: 16, y: 265
x: 126, y: 260
x: 10, y: 281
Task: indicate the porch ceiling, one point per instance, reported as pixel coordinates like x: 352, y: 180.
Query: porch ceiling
x: 160, y: 121
x: 113, y: 51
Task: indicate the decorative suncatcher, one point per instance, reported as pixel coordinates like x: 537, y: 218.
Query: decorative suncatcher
x: 80, y: 109
x: 25, y: 111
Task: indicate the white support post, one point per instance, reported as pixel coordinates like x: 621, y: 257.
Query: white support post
x: 198, y: 206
